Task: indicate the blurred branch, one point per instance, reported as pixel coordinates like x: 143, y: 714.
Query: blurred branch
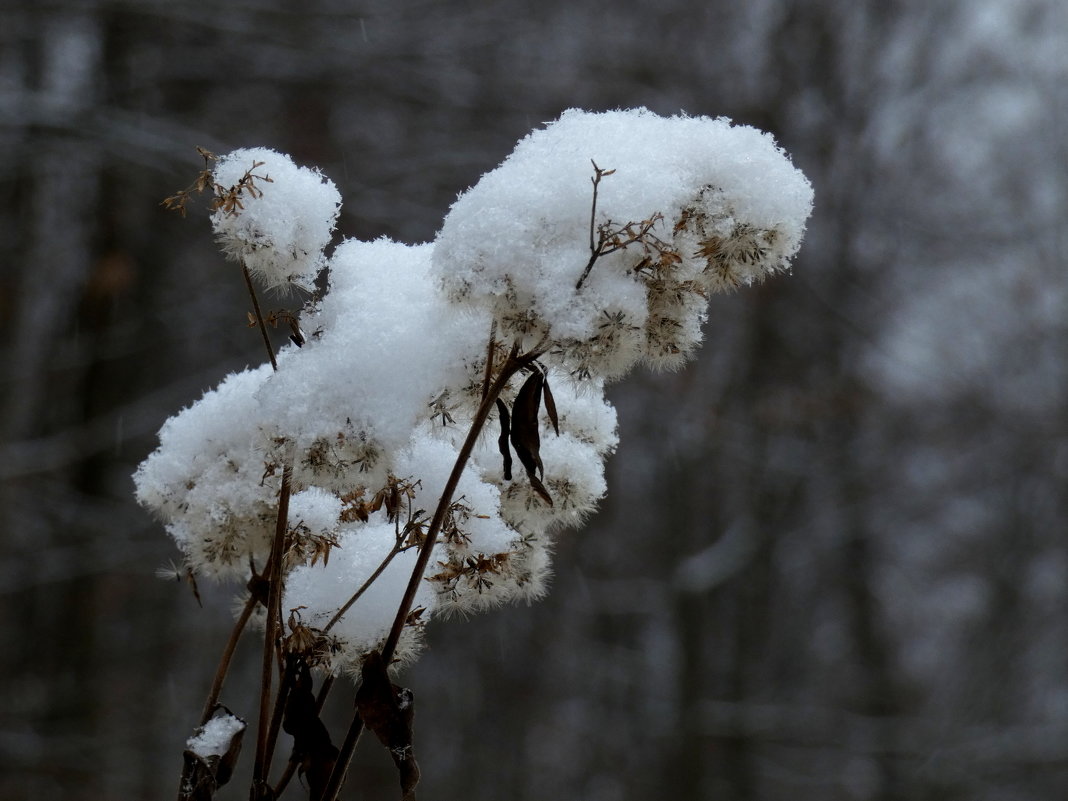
x: 138, y: 419
x: 934, y: 741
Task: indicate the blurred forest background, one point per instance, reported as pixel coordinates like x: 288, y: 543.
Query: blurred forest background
x: 833, y: 561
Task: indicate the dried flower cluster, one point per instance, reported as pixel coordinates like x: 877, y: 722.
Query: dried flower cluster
x: 367, y: 412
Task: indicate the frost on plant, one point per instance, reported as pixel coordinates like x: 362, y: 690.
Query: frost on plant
x: 592, y: 248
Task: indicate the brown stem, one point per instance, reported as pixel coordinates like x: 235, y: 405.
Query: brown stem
x: 217, y: 681
x: 489, y: 359
x: 344, y: 757
x: 595, y: 247
x: 286, y: 778
x: 259, y: 316
x: 224, y: 662
x: 271, y: 633
x: 589, y: 266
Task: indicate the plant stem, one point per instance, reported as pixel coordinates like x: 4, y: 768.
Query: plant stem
x: 344, y: 757
x: 595, y: 247
x: 259, y: 316
x: 271, y: 633
x: 489, y: 358
x: 217, y: 681
x: 280, y: 700
x: 224, y: 662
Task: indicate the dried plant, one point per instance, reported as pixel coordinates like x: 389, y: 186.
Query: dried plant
x: 350, y: 484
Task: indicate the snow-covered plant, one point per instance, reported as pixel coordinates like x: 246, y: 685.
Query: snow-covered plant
x: 440, y: 414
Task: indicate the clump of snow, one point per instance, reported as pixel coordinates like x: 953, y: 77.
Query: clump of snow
x: 721, y: 206
x: 281, y: 216
x: 369, y: 415
x: 319, y: 591
x: 383, y: 344
x: 215, y: 737
x: 316, y: 510
x: 206, y: 482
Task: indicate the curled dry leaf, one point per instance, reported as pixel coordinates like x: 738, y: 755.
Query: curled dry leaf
x: 550, y: 405
x: 312, y: 749
x: 202, y: 776
x: 502, y: 440
x: 524, y: 434
x: 388, y: 710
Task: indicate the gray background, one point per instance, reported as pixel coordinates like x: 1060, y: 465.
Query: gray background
x: 832, y: 563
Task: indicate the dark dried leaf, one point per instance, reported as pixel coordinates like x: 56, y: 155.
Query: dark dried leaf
x: 525, y: 436
x: 259, y: 587
x: 393, y: 501
x: 203, y: 776
x: 502, y: 440
x: 312, y: 748
x: 388, y: 711
x: 198, y: 781
x: 539, y: 488
x: 550, y: 405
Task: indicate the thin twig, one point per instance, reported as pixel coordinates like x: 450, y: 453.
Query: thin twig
x: 220, y: 677
x: 224, y: 662
x: 593, y: 207
x: 595, y: 246
x: 363, y: 587
x: 259, y: 315
x: 286, y: 777
x: 344, y: 757
x: 489, y: 359
x: 261, y: 766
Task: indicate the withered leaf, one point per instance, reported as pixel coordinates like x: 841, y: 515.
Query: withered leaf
x: 502, y: 440
x: 203, y: 775
x: 259, y: 587
x: 312, y: 749
x: 393, y: 501
x: 524, y: 435
x: 388, y: 711
x: 550, y: 405
x: 191, y: 579
x: 537, y: 485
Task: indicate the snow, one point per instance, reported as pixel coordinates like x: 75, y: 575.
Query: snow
x: 518, y: 242
x: 285, y: 218
x: 215, y: 736
x: 383, y: 343
x: 319, y: 591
